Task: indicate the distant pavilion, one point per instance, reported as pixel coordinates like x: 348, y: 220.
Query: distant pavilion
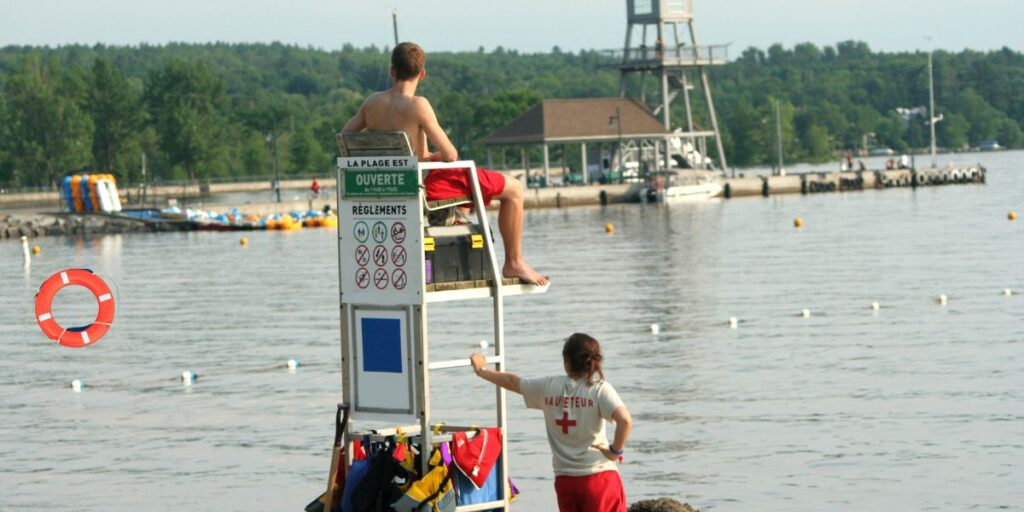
x: 620, y: 122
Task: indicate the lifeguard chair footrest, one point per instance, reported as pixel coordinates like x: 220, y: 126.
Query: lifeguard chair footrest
x: 480, y: 289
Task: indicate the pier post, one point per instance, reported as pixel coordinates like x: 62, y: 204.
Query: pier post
x: 583, y: 162
x: 547, y: 166
x: 526, y: 163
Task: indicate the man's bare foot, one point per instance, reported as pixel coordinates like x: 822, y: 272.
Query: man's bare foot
x: 524, y: 272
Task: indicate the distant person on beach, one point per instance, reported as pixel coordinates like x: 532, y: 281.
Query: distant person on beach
x: 576, y: 406
x: 398, y: 108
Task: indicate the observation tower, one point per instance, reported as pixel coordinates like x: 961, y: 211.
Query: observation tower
x: 654, y: 47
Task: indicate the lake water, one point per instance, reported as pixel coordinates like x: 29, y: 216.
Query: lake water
x: 913, y: 407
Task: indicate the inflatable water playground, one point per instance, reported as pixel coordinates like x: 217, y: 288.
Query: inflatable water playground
x: 234, y: 220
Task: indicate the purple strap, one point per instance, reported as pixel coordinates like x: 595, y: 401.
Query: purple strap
x: 446, y: 454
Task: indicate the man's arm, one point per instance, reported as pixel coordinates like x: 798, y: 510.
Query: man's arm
x: 358, y: 121
x: 507, y: 380
x: 432, y: 129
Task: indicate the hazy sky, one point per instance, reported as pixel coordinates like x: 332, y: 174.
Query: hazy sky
x: 526, y: 25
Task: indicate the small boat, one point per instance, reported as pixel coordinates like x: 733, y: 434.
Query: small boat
x: 681, y: 185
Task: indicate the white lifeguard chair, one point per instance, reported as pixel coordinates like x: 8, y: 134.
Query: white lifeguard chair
x: 382, y: 239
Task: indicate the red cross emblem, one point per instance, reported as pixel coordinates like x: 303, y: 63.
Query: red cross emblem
x: 565, y: 422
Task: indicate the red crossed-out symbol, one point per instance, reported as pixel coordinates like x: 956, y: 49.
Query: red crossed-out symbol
x: 362, y: 278
x: 380, y: 255
x: 565, y: 422
x: 380, y: 278
x: 398, y: 255
x: 362, y: 255
x: 398, y: 232
x: 399, y: 279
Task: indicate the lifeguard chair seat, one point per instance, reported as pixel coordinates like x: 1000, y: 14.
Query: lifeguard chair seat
x: 442, y: 212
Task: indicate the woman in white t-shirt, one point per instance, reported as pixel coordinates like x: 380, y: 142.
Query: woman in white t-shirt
x: 576, y: 406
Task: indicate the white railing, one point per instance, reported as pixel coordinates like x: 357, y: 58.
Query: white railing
x: 685, y: 55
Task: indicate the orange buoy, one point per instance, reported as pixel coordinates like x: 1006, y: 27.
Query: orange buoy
x: 74, y: 337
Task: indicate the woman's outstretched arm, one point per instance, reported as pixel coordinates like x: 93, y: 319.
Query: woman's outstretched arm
x: 507, y: 380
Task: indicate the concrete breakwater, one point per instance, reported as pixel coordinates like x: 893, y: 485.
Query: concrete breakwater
x: 41, y: 225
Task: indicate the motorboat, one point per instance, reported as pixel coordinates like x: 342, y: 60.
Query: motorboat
x: 681, y: 185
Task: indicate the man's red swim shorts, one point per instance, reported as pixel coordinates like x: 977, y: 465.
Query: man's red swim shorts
x: 451, y: 183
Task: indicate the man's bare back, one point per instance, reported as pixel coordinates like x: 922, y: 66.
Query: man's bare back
x: 396, y: 109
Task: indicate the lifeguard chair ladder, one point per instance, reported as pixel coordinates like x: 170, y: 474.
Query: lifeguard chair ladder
x: 384, y: 343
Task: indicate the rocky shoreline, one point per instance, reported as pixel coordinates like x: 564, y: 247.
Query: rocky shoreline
x: 12, y: 227
x: 661, y: 505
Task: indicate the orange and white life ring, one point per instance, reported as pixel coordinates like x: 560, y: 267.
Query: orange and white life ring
x: 74, y: 337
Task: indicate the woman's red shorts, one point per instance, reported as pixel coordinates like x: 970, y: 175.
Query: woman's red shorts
x: 451, y: 183
x: 600, y: 492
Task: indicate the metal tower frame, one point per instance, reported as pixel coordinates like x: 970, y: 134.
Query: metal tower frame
x: 671, y: 63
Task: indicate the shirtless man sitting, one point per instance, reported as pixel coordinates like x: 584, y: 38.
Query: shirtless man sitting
x: 398, y: 108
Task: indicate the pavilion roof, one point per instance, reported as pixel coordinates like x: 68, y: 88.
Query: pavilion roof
x: 579, y: 120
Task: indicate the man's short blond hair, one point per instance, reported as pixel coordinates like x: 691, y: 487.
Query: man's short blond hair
x: 407, y: 60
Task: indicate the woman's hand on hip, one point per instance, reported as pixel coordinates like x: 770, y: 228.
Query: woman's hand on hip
x: 608, y: 453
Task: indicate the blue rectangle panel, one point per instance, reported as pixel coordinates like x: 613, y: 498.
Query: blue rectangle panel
x: 382, y: 345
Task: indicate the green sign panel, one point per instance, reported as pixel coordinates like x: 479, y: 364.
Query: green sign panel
x: 380, y: 182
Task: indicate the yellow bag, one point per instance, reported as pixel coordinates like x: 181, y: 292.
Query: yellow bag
x: 433, y: 492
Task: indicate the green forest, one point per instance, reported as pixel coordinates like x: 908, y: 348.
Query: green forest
x: 222, y: 111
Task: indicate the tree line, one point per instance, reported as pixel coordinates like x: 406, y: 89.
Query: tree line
x: 206, y: 111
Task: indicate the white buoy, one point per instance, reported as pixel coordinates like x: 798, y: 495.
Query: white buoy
x: 733, y: 322
x: 943, y: 299
x: 77, y: 385
x: 483, y: 344
x: 875, y: 306
x: 25, y: 252
x: 293, y: 364
x: 1008, y: 292
x: 806, y: 313
x: 188, y: 377
x: 655, y: 328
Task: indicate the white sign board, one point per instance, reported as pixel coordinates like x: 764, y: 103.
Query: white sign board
x: 380, y: 237
x: 383, y: 350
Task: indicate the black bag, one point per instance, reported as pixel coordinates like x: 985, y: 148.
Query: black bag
x: 378, y: 490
